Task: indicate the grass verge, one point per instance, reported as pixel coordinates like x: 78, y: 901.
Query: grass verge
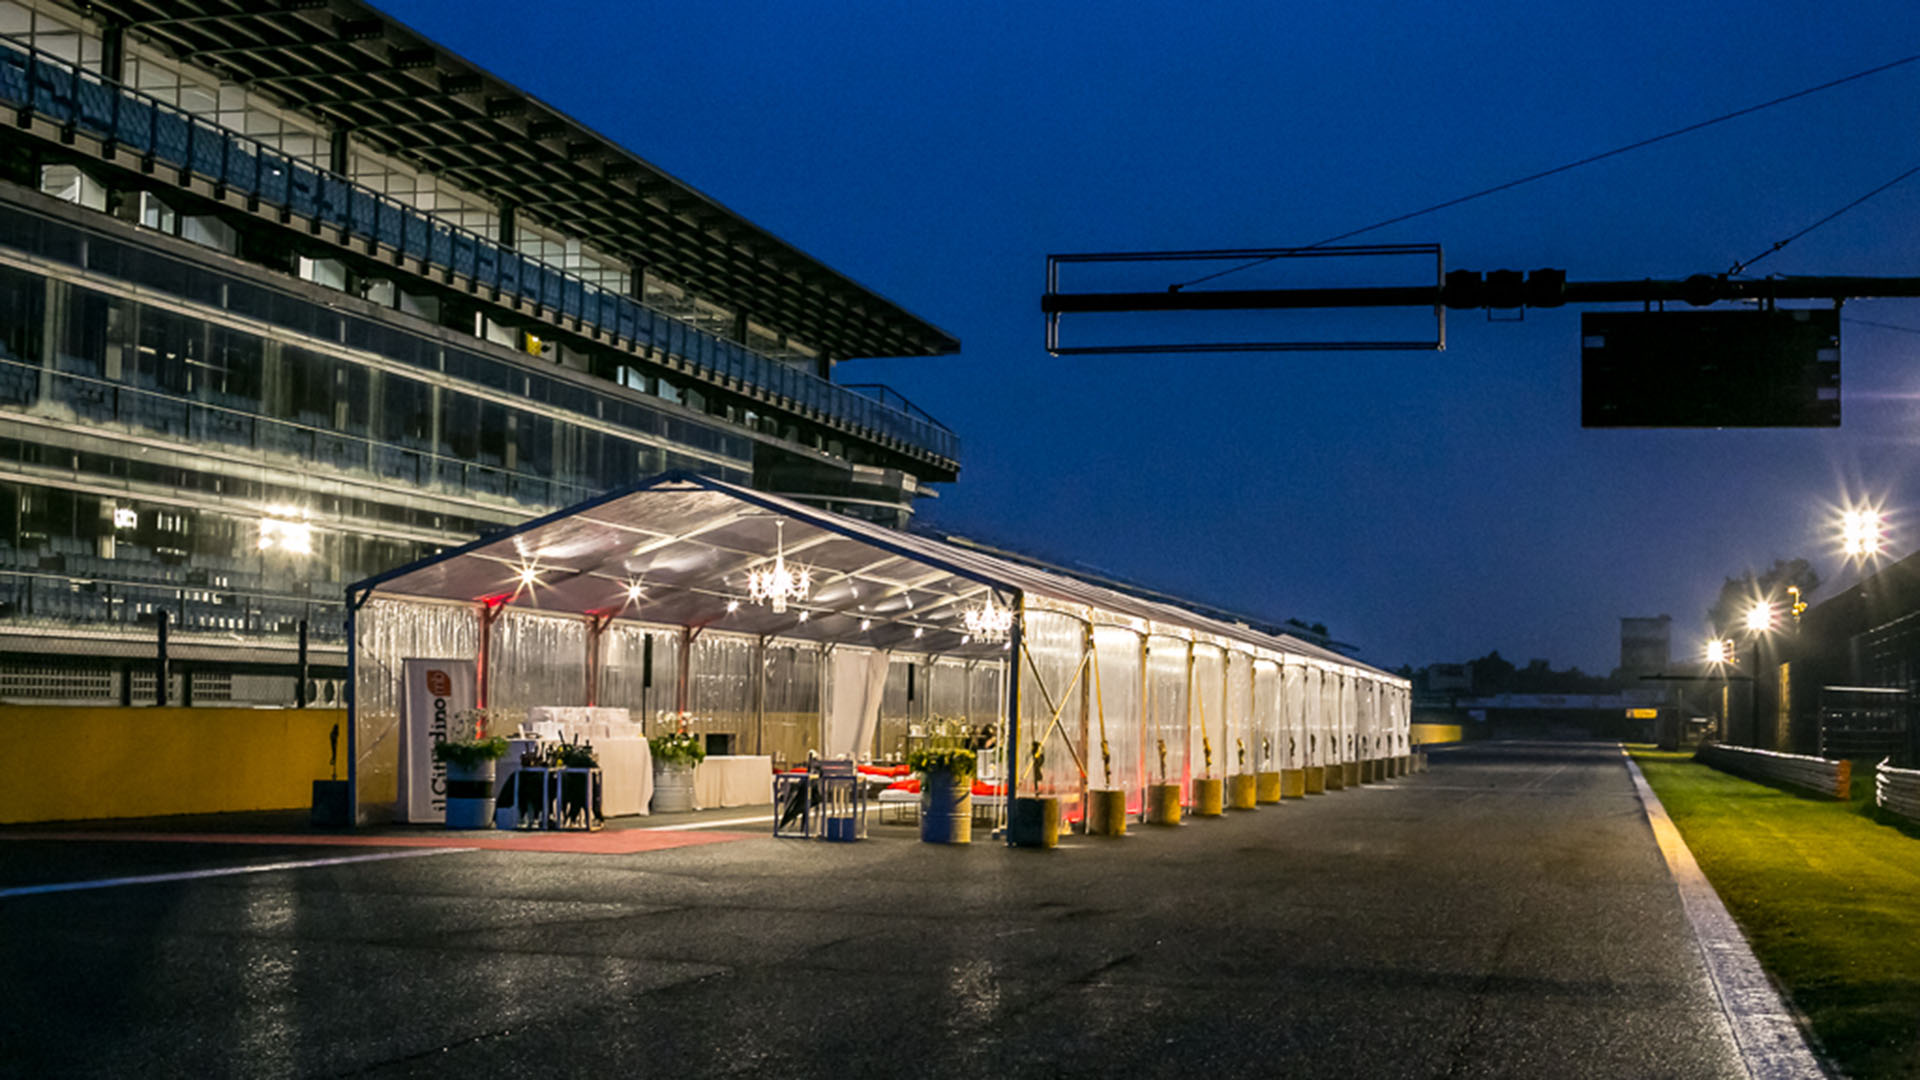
x: 1828, y: 895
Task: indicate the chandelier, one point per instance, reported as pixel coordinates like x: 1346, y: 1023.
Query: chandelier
x: 775, y: 585
x: 988, y: 622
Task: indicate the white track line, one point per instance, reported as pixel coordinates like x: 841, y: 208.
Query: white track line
x: 193, y: 875
x: 1771, y: 1044
x: 712, y: 824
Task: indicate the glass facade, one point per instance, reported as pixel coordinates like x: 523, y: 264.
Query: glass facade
x: 157, y: 453
x: 367, y: 364
x: 189, y: 142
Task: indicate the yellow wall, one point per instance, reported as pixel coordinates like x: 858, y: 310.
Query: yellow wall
x: 1434, y: 733
x: 64, y: 763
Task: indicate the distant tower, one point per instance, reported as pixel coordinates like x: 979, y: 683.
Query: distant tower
x: 1645, y: 645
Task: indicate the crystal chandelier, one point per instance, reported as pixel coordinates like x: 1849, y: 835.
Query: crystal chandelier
x: 775, y: 585
x: 989, y: 622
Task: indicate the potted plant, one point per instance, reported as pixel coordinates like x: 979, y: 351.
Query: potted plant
x: 946, y: 792
x: 469, y: 763
x: 674, y: 756
x: 1034, y: 820
x: 1163, y: 798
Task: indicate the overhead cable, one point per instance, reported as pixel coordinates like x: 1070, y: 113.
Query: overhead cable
x: 1740, y: 267
x: 1558, y: 169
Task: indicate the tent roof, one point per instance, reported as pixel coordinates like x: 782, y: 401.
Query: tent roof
x: 676, y: 550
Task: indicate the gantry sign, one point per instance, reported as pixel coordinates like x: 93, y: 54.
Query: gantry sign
x: 1761, y: 365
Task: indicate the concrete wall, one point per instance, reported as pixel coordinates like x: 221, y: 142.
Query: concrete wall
x: 66, y: 763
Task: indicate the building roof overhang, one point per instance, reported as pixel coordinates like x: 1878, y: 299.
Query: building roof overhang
x: 356, y: 68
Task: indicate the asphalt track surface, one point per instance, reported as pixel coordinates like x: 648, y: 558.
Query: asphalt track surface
x: 1505, y: 914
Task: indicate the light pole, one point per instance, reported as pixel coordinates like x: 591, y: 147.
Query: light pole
x: 1861, y: 533
x: 1720, y: 655
x: 1759, y: 620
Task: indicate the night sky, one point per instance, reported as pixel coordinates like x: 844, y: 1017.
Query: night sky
x: 1426, y: 506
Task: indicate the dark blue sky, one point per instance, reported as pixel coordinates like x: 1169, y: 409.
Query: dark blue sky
x: 1426, y: 506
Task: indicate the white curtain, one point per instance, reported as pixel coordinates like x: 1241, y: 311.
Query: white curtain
x: 859, y: 681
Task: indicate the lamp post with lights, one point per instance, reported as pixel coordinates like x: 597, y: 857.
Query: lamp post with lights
x: 1759, y: 622
x: 1720, y: 656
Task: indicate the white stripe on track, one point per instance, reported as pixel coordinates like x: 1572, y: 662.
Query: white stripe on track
x: 712, y: 824
x: 194, y: 875
x: 1763, y: 1027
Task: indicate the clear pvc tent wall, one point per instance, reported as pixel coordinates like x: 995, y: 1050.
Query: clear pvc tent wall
x: 636, y: 602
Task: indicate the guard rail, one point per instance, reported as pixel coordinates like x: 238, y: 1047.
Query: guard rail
x: 1830, y: 778
x: 1897, y: 791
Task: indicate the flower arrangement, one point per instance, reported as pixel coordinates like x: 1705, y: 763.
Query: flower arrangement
x: 957, y: 760
x: 1240, y: 752
x: 1039, y: 764
x: 1162, y: 744
x: 678, y: 748
x: 469, y: 752
x: 474, y: 723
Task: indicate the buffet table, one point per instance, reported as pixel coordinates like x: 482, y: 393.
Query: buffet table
x: 734, y: 780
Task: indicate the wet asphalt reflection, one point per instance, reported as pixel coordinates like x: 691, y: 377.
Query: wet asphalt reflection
x: 1505, y: 914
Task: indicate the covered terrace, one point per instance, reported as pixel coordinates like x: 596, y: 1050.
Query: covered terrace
x: 641, y: 599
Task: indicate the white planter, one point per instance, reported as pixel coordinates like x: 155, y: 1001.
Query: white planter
x: 672, y: 788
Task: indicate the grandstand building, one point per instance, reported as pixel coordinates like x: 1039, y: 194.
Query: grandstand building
x: 290, y: 294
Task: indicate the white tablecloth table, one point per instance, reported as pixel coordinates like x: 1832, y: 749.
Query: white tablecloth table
x: 626, y: 776
x: 734, y: 780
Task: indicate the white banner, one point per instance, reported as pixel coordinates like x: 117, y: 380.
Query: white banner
x: 432, y: 694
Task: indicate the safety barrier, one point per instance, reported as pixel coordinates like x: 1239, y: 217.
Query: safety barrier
x: 1421, y: 733
x: 1897, y: 791
x: 69, y: 763
x: 81, y: 102
x: 1830, y: 778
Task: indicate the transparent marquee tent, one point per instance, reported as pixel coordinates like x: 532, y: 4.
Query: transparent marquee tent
x: 639, y: 599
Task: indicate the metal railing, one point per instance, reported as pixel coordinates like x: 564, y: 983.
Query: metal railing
x: 33, y: 81
x: 102, y: 401
x: 108, y: 595
x: 1831, y: 778
x: 893, y: 399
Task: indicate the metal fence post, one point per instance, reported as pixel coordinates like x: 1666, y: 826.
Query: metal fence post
x: 160, y: 668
